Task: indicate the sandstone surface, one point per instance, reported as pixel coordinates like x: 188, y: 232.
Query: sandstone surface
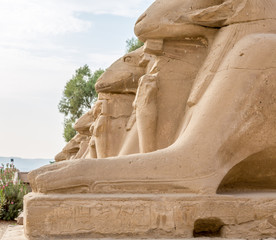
x: 179, y: 123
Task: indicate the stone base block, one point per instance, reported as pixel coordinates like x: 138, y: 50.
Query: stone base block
x: 89, y: 216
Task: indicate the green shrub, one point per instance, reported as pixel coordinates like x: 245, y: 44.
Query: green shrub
x: 11, y: 193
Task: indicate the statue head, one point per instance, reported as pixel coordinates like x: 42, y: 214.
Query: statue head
x: 189, y: 18
x: 84, y: 122
x: 123, y: 75
x: 170, y: 18
x: 71, y: 149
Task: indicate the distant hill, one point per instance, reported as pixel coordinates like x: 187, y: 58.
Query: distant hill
x: 25, y: 165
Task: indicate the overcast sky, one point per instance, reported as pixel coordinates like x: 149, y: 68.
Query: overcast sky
x: 42, y: 43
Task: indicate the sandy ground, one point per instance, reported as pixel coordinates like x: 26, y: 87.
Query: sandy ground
x: 4, y: 225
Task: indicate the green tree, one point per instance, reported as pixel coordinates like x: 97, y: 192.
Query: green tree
x: 78, y: 96
x: 69, y: 132
x: 133, y: 44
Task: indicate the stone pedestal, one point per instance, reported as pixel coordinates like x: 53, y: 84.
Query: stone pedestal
x: 87, y: 216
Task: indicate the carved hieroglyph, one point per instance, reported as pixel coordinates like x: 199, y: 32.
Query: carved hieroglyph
x: 155, y: 216
x: 193, y: 111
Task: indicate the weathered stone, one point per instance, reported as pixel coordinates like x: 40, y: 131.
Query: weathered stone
x: 154, y: 46
x: 20, y: 219
x: 149, y: 216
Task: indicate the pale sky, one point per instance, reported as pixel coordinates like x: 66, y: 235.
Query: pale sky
x: 42, y: 43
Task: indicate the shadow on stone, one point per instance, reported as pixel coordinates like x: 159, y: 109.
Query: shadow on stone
x: 208, y: 227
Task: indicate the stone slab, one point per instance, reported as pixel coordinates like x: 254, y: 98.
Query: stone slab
x: 14, y: 233
x: 88, y: 216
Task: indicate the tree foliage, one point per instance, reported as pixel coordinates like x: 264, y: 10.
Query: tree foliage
x: 69, y: 132
x: 133, y: 44
x: 78, y: 96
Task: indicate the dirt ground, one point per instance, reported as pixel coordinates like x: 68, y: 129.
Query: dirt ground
x: 4, y: 225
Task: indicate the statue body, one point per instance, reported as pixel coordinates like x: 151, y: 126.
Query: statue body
x: 199, y: 115
x: 196, y: 101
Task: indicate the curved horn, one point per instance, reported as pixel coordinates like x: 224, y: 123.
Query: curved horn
x: 217, y: 15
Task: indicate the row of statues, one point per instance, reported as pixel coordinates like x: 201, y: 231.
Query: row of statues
x: 192, y: 111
